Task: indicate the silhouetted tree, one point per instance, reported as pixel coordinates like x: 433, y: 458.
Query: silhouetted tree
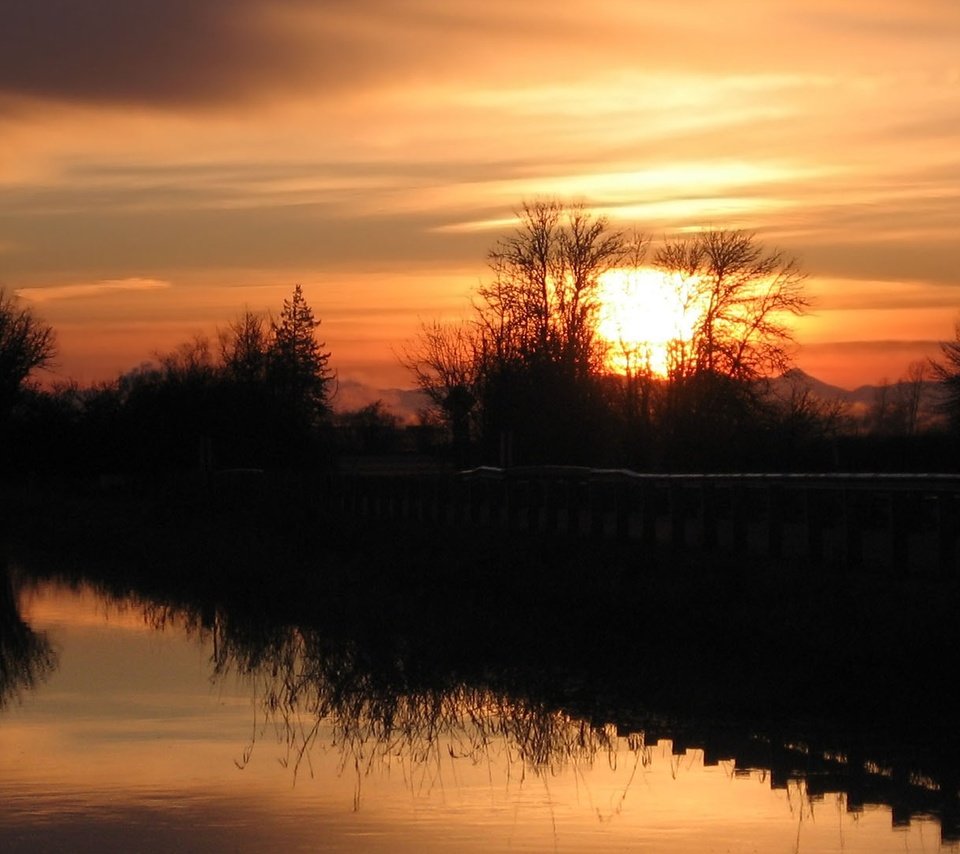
x: 541, y: 304
x: 26, y: 343
x: 169, y: 413
x: 902, y: 408
x: 802, y: 426
x: 255, y: 401
x: 372, y: 429
x: 912, y: 394
x: 245, y: 347
x: 298, y: 368
x: 947, y: 373
x: 742, y: 295
x: 528, y: 366
x: 26, y: 657
x: 887, y: 414
x: 540, y: 354
x: 445, y: 362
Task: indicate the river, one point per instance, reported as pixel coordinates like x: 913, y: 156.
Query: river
x: 128, y: 724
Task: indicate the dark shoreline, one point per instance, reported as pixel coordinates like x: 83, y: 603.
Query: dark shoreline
x: 706, y: 650
x: 767, y: 637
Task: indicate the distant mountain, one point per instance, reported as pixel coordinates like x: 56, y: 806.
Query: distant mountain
x: 404, y: 403
x: 408, y: 403
x: 796, y: 377
x: 860, y: 399
x: 861, y: 394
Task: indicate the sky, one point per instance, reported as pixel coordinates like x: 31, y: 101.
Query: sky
x: 166, y: 164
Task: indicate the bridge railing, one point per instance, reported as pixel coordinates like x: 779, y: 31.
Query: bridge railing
x: 907, y: 521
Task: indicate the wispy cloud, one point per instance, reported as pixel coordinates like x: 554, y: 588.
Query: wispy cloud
x: 203, y: 52
x: 319, y: 141
x: 91, y: 289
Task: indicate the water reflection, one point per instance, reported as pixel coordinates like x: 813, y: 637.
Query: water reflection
x: 26, y: 658
x: 374, y: 704
x: 375, y: 713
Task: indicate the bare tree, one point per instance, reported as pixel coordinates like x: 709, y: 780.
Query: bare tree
x: 527, y: 362
x: 190, y: 361
x: 541, y: 303
x: 444, y: 360
x: 883, y: 415
x: 802, y: 414
x: 244, y: 347
x: 744, y: 294
x: 540, y: 353
x: 26, y: 343
x: 911, y: 394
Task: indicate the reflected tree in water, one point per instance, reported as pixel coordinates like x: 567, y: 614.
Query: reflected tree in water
x: 374, y: 711
x: 379, y: 702
x: 26, y: 658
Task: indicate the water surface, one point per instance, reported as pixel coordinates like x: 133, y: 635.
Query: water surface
x: 140, y: 727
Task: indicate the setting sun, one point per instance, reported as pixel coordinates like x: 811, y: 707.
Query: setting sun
x: 642, y: 313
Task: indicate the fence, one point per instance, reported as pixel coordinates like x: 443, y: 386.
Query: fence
x: 903, y: 521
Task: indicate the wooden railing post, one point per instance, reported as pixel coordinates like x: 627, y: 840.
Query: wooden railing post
x: 946, y: 533
x: 909, y: 512
x: 708, y: 516
x: 551, y: 510
x: 678, y: 517
x: 738, y: 522
x: 598, y: 509
x: 814, y: 515
x: 648, y: 514
x: 623, y: 512
x: 852, y: 532
x: 899, y: 544
x: 575, y: 493
x: 774, y: 521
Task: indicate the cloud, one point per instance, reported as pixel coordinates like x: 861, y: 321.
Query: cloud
x: 166, y: 53
x: 196, y: 52
x: 123, y: 51
x: 93, y: 289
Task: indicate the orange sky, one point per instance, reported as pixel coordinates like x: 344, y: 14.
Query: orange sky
x: 165, y: 164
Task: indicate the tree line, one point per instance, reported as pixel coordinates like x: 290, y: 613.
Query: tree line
x: 526, y: 378
x: 257, y: 397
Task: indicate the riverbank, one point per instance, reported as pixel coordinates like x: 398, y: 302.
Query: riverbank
x: 698, y: 632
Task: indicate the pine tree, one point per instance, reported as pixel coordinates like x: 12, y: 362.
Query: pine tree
x: 299, y: 368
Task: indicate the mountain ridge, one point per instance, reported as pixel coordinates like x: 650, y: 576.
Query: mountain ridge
x: 408, y: 403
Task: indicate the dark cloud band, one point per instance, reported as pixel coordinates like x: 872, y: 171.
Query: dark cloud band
x: 157, y: 51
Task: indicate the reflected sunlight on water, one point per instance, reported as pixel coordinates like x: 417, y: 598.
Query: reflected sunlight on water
x: 146, y: 740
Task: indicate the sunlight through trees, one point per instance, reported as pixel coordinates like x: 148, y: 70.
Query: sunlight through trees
x: 577, y: 345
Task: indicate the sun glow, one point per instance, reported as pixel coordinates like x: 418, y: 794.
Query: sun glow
x: 645, y: 315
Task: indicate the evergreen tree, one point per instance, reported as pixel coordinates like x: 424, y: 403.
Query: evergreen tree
x: 298, y: 364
